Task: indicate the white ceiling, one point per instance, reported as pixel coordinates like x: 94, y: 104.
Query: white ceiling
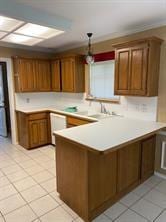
x: 105, y: 18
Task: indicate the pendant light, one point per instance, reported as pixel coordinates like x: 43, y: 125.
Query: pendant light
x: 89, y: 57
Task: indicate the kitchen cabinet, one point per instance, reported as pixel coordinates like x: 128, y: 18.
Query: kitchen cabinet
x: 137, y: 67
x: 38, y: 132
x: 55, y: 76
x: 32, y: 75
x: 73, y: 121
x: 43, y: 72
x: 128, y: 166
x: 89, y: 181
x: 72, y: 74
x: 33, y: 129
x: 24, y: 75
x: 64, y: 74
x: 148, y: 157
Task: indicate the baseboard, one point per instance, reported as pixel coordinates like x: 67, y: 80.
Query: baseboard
x: 160, y: 175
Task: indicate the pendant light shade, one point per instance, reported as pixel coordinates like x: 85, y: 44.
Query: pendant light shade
x: 89, y: 56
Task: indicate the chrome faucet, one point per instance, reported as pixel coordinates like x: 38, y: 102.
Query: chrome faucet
x: 103, y: 109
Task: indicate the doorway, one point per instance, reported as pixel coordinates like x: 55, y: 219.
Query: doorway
x: 5, y: 125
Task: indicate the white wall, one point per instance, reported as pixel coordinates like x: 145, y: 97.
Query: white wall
x: 133, y: 107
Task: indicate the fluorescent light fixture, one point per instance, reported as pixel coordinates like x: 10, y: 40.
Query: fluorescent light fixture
x: 21, y: 39
x: 2, y: 34
x: 9, y: 24
x: 39, y: 31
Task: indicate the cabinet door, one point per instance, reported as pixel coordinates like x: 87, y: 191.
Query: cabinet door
x: 38, y: 131
x: 33, y: 133
x: 138, y: 70
x: 122, y: 71
x: 43, y: 131
x: 43, y: 70
x: 68, y: 74
x: 128, y: 166
x: 148, y: 156
x: 26, y: 75
x: 55, y: 76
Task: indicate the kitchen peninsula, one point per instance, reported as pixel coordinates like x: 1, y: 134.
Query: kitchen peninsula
x: 98, y: 163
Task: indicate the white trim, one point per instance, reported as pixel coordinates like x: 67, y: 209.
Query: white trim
x: 11, y: 98
x: 163, y: 155
x: 160, y: 175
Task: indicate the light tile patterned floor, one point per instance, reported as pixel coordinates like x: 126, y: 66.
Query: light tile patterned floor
x: 28, y: 191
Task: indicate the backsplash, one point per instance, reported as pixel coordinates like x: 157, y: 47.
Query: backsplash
x: 134, y: 107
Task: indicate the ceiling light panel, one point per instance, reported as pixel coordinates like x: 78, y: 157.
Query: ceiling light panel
x: 21, y: 39
x: 38, y: 31
x: 9, y: 24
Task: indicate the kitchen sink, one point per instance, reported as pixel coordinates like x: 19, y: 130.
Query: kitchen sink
x: 93, y: 115
x: 100, y: 116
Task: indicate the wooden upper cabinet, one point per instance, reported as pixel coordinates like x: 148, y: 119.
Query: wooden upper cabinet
x: 68, y: 74
x: 24, y: 75
x: 32, y: 75
x: 137, y: 67
x: 122, y: 71
x: 138, y: 70
x: 43, y: 71
x: 72, y: 74
x: 55, y: 76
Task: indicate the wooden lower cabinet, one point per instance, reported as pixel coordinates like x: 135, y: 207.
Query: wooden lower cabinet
x: 73, y: 121
x: 90, y: 181
x: 33, y: 129
x: 38, y: 132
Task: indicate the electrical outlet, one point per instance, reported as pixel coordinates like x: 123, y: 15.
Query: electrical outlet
x: 27, y: 100
x: 137, y: 107
x: 144, y: 108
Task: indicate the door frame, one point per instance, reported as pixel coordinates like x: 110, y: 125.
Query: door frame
x: 10, y: 82
x: 6, y: 96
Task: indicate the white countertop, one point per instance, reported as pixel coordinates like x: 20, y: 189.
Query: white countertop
x: 58, y: 110
x: 110, y: 132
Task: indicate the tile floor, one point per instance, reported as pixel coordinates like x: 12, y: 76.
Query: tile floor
x: 28, y: 191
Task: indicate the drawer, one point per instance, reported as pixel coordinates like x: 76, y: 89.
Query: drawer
x: 76, y: 121
x: 36, y: 116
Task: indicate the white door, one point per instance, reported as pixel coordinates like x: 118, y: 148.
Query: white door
x: 3, y: 128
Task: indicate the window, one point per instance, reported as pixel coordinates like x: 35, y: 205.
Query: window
x: 101, y: 81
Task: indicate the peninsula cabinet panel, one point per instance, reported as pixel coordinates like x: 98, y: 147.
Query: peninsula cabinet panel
x: 24, y: 75
x: 102, y: 178
x: 55, y: 76
x: 137, y: 67
x: 128, y: 166
x: 148, y: 157
x: 90, y: 181
x: 43, y: 71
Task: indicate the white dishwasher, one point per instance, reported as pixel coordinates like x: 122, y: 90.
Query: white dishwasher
x: 58, y: 122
